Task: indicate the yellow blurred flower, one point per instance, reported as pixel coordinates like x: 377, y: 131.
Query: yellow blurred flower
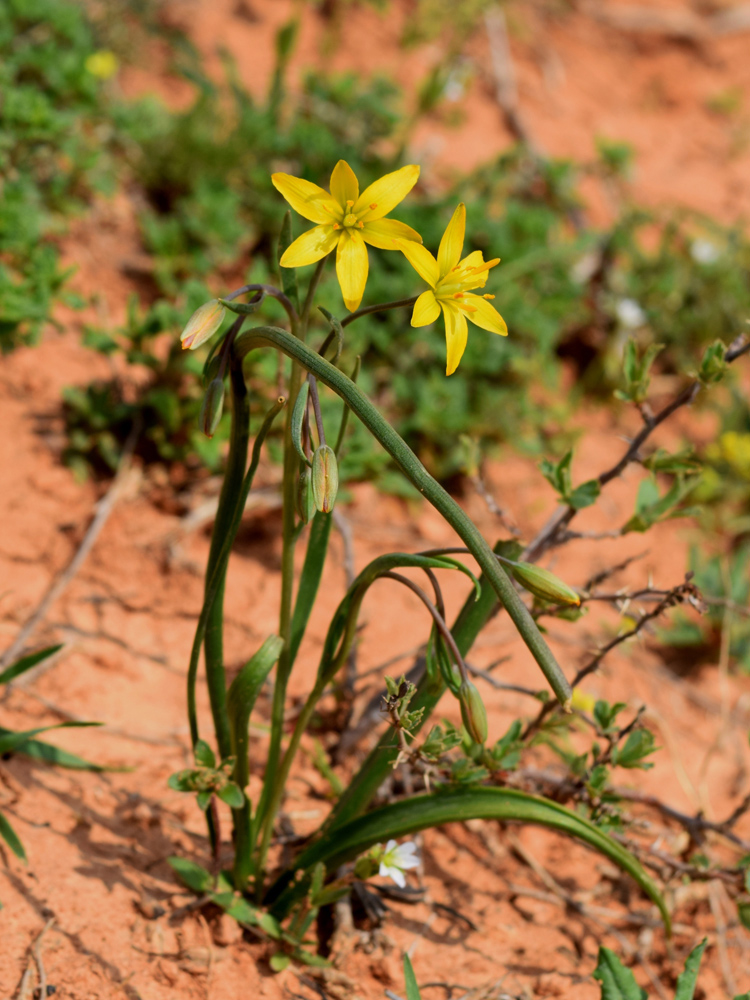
x: 451, y: 280
x: 102, y: 64
x: 582, y: 701
x: 346, y: 221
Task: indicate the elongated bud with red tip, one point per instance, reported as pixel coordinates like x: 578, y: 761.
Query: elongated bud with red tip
x: 213, y: 407
x: 473, y: 712
x: 543, y: 584
x: 325, y: 478
x: 203, y: 324
x: 305, y: 498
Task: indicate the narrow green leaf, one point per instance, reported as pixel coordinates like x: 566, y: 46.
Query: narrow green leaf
x: 241, y: 697
x: 618, y: 983
x: 11, y: 741
x: 288, y: 275
x: 687, y: 979
x: 456, y: 805
x: 27, y: 662
x: 410, y: 981
x: 298, y: 419
x: 191, y: 874
x: 309, y: 581
x: 10, y: 837
x: 39, y: 750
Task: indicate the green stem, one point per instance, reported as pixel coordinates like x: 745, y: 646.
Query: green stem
x: 225, y: 515
x: 288, y: 540
x: 424, y: 482
x: 214, y: 572
x: 397, y: 304
x: 360, y: 791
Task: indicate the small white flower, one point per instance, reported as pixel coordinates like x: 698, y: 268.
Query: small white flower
x: 397, y: 859
x: 630, y: 314
x: 704, y: 252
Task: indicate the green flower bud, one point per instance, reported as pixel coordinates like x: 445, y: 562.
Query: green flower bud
x: 541, y: 583
x: 325, y: 478
x: 305, y: 498
x: 473, y: 712
x: 203, y: 324
x: 213, y: 406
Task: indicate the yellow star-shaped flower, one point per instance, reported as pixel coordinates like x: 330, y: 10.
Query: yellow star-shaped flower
x: 346, y: 221
x: 451, y: 280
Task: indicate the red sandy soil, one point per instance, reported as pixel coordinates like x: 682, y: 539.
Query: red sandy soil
x: 98, y: 843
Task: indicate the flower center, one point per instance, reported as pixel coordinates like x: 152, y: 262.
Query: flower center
x: 350, y: 219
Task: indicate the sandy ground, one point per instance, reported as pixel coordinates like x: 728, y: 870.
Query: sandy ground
x: 98, y: 843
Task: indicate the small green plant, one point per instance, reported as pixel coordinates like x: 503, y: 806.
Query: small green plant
x: 618, y: 983
x: 53, y: 129
x: 27, y: 744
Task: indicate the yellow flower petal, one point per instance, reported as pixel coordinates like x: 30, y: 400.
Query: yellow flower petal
x: 308, y: 199
x: 382, y: 232
x: 452, y: 242
x: 426, y: 309
x: 344, y: 184
x: 421, y: 260
x: 386, y: 193
x: 456, y: 335
x: 351, y: 268
x: 310, y: 246
x: 484, y: 314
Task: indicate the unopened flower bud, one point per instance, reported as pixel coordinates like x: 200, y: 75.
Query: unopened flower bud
x: 305, y: 498
x: 203, y: 324
x: 325, y: 478
x: 213, y: 407
x: 543, y: 584
x: 473, y: 712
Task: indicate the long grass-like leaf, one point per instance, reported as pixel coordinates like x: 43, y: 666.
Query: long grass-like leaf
x: 11, y: 741
x: 27, y: 662
x: 309, y: 581
x: 10, y: 837
x: 39, y: 750
x: 457, y: 805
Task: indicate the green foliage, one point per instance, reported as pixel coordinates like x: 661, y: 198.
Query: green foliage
x: 54, y: 129
x: 618, y: 983
x: 557, y: 475
x: 25, y: 743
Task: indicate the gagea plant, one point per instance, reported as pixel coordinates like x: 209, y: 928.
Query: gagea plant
x: 461, y: 766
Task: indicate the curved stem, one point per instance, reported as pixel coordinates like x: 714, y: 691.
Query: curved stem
x: 214, y: 574
x: 424, y: 482
x: 270, y: 290
x: 440, y: 622
x: 397, y: 304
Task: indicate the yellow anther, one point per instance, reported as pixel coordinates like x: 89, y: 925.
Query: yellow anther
x: 488, y: 296
x: 349, y: 204
x: 361, y: 224
x: 373, y: 206
x: 336, y: 225
x: 458, y: 295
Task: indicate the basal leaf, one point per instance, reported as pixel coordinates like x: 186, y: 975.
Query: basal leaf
x: 10, y: 837
x: 618, y: 983
x: 191, y: 874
